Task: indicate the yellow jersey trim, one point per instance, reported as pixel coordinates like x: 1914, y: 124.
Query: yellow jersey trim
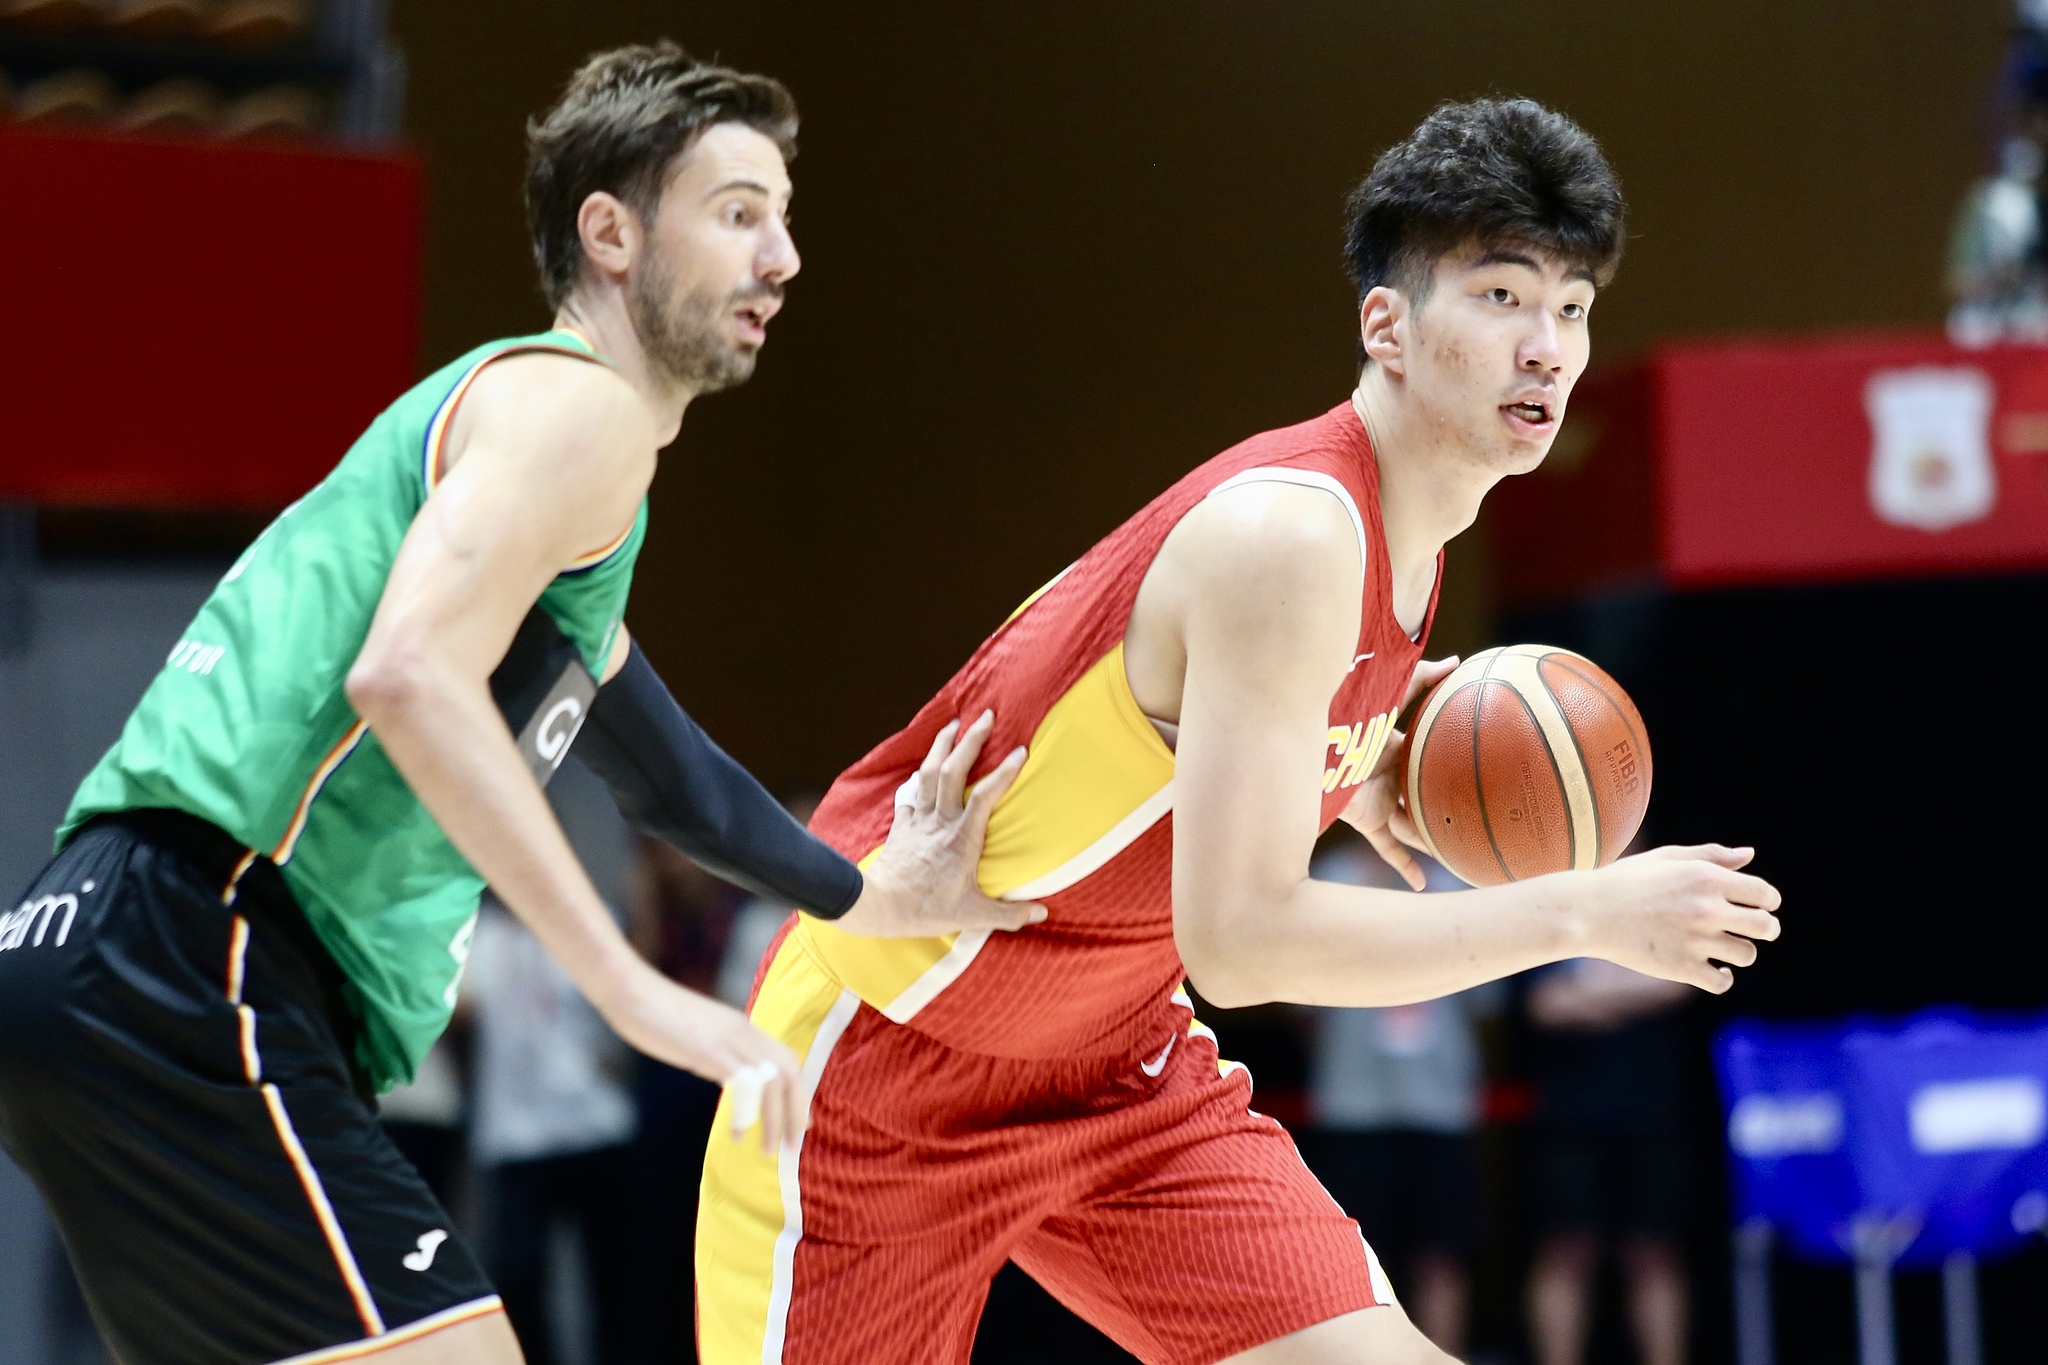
x: 1097, y: 778
x: 751, y: 1215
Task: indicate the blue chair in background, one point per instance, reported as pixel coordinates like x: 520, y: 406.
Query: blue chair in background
x: 1918, y: 1144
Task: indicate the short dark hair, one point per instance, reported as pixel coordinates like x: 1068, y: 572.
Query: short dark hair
x: 1499, y: 172
x: 625, y: 117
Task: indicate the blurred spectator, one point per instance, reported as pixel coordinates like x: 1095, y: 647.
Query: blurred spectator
x: 1394, y: 1100
x: 552, y: 1137
x: 1609, y: 1164
x: 552, y: 1117
x: 682, y: 922
x: 1996, y: 280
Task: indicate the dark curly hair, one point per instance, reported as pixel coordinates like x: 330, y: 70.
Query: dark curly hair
x: 1498, y: 172
x: 625, y: 117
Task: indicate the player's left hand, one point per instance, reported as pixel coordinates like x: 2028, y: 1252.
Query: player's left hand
x: 923, y: 883
x: 1378, y: 810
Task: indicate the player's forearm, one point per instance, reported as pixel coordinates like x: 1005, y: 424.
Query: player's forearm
x: 446, y: 738
x: 1325, y: 944
x: 672, y: 781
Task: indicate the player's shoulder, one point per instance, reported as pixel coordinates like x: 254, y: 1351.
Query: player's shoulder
x: 558, y: 379
x: 558, y: 396
x: 1271, y: 525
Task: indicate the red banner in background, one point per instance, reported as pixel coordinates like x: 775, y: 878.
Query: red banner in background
x: 193, y: 323
x: 1789, y: 462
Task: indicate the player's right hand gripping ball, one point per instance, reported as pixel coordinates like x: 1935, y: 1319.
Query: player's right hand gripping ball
x: 1528, y: 759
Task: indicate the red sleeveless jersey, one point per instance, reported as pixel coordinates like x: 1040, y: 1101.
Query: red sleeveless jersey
x: 1088, y: 827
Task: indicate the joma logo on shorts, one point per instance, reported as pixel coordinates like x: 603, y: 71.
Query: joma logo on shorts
x: 37, y: 914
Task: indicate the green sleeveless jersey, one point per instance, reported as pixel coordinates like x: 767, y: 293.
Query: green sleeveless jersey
x: 248, y: 724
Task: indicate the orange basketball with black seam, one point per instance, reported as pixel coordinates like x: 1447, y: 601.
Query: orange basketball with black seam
x: 1527, y: 759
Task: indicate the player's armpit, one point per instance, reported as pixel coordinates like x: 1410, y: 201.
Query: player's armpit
x: 1257, y: 590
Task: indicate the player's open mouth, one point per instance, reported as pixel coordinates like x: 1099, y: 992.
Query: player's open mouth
x: 1530, y: 414
x: 753, y: 321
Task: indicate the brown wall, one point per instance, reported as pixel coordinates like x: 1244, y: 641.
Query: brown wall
x: 1055, y: 254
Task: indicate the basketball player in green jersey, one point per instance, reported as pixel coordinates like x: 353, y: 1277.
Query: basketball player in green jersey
x: 262, y: 897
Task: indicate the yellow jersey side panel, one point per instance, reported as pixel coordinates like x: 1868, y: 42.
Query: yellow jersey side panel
x: 1097, y: 769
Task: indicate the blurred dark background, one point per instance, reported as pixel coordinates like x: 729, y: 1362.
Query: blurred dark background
x: 1056, y: 255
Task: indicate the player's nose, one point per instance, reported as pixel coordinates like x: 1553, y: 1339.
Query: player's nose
x: 779, y: 260
x: 1542, y: 348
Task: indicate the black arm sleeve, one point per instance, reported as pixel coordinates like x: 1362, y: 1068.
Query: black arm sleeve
x: 671, y: 781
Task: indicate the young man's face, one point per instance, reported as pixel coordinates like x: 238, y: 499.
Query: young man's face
x: 718, y: 253
x: 1494, y: 349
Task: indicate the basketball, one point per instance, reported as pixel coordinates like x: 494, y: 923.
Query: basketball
x: 1527, y: 759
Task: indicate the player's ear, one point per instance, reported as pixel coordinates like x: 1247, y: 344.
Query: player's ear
x: 1379, y: 326
x: 610, y: 232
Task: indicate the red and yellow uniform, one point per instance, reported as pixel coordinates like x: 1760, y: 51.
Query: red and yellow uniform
x: 1045, y: 1096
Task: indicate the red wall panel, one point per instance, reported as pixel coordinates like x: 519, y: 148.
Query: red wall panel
x: 1766, y: 453
x: 193, y: 323
x: 1759, y: 462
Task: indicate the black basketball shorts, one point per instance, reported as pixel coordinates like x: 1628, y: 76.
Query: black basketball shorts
x: 176, y: 1076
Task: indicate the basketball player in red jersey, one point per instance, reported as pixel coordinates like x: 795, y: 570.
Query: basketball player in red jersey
x: 1203, y: 693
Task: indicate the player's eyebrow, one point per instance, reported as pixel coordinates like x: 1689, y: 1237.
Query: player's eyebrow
x: 740, y: 183
x: 1505, y: 256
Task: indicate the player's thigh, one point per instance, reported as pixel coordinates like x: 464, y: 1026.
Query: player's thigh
x: 1371, y: 1336
x: 1204, y: 1239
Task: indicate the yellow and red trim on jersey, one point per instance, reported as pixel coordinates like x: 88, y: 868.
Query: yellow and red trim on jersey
x: 604, y: 552
x: 237, y: 973
x: 345, y: 746
x: 229, y: 892
x: 437, y: 429
x: 432, y: 469
x: 1047, y: 587
x: 323, y: 1212
x: 238, y: 953
x: 252, y: 1060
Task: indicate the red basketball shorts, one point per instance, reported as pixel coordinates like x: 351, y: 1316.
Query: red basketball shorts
x: 1141, y: 1191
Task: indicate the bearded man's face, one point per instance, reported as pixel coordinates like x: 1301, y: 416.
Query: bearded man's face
x: 717, y: 255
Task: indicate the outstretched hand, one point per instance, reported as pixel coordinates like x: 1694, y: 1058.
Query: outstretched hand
x: 1379, y: 811
x: 922, y: 884
x: 1681, y: 912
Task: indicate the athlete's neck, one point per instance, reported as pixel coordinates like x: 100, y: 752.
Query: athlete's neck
x: 1428, y: 493
x: 601, y: 318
